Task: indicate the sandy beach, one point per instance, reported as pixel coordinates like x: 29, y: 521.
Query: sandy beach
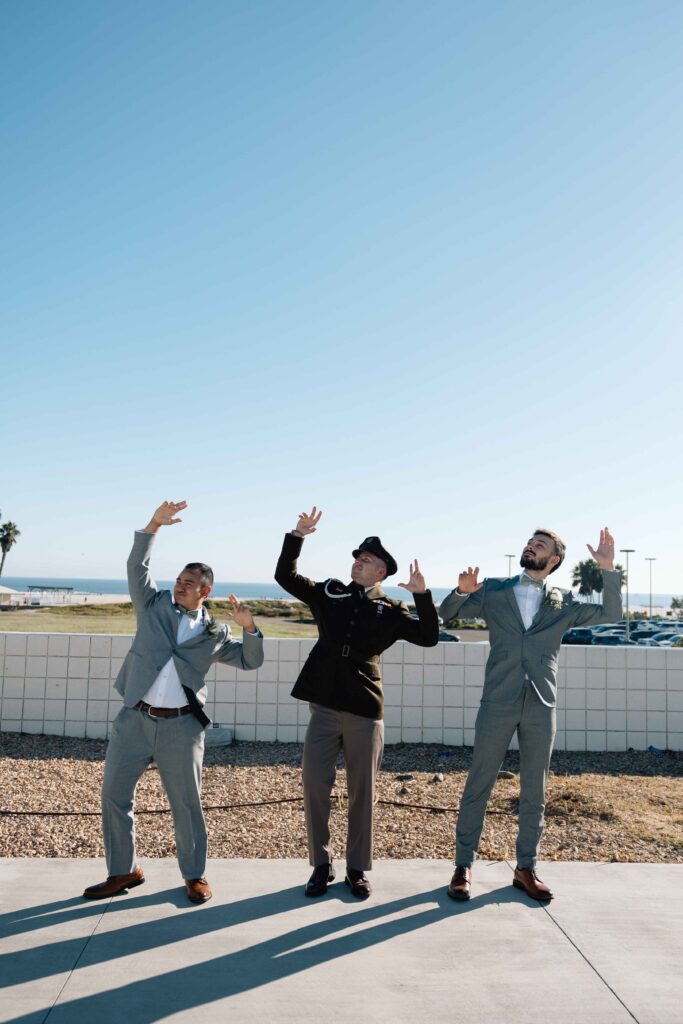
x: 24, y: 599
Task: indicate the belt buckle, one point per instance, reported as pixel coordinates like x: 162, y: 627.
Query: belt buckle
x: 346, y: 650
x: 147, y: 711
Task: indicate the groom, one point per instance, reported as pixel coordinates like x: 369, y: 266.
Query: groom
x: 162, y: 719
x: 526, y: 620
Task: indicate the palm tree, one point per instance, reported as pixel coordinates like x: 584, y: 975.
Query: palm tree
x: 587, y: 576
x: 8, y: 538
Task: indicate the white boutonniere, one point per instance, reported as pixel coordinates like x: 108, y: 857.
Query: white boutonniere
x: 554, y: 598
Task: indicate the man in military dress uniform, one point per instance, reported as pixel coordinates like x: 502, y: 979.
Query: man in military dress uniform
x: 341, y: 680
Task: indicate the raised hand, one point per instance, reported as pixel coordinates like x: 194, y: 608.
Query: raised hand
x: 241, y: 614
x: 166, y: 515
x: 467, y: 581
x: 416, y: 584
x: 604, y: 555
x: 308, y: 523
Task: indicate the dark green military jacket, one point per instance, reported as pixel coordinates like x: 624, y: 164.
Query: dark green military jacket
x: 342, y: 671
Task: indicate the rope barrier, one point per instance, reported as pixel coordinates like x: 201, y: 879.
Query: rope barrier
x: 341, y: 799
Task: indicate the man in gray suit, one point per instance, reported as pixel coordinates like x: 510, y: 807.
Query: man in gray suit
x: 526, y: 620
x: 162, y: 718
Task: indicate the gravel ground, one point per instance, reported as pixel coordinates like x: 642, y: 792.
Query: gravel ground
x: 601, y: 807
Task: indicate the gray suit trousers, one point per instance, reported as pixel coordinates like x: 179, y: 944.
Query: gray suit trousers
x: 176, y: 745
x: 495, y: 726
x: 362, y: 740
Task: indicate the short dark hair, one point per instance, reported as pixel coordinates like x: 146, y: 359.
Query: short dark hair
x: 205, y: 573
x: 560, y: 546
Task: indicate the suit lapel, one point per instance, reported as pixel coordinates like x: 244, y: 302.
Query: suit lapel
x: 512, y: 601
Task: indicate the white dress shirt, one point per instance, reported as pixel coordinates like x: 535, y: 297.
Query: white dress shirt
x: 529, y: 598
x: 166, y: 691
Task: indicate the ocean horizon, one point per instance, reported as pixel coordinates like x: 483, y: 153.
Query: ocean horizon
x: 246, y: 591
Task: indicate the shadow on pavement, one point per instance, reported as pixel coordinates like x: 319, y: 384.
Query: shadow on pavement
x: 163, y: 994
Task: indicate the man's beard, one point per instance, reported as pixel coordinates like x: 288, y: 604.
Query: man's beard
x: 529, y: 562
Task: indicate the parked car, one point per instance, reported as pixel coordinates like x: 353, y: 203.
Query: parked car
x: 445, y: 637
x: 671, y: 634
x: 578, y: 635
x: 615, y: 640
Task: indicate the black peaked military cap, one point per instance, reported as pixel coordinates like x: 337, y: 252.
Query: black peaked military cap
x: 374, y: 546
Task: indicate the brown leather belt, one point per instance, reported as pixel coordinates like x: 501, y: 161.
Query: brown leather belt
x: 162, y: 712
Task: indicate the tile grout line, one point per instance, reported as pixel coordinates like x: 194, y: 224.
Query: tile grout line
x: 583, y: 956
x: 77, y: 961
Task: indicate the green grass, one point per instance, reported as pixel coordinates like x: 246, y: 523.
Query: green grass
x: 121, y: 619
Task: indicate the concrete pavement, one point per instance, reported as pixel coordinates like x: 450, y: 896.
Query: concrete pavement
x: 607, y: 950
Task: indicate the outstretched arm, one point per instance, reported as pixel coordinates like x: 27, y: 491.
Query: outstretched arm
x: 142, y: 587
x: 286, y: 570
x: 611, y: 609
x: 467, y: 598
x: 424, y: 632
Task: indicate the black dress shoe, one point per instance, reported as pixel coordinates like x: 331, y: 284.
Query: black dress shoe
x: 358, y: 884
x: 319, y: 880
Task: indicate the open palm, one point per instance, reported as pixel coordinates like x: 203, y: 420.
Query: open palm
x: 167, y: 513
x: 308, y: 522
x: 604, y: 555
x: 416, y: 583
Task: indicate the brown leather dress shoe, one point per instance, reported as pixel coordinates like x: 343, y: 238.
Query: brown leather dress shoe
x: 114, y: 885
x: 459, y: 889
x: 526, y: 878
x: 198, y: 890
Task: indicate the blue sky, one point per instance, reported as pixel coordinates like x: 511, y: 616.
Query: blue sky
x: 418, y: 264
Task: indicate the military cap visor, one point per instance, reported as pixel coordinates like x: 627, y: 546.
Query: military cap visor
x: 373, y: 546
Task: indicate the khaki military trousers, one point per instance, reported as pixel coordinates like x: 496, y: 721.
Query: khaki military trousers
x: 362, y: 740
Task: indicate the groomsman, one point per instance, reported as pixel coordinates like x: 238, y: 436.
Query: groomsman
x: 527, y: 619
x: 162, y: 719
x: 341, y: 680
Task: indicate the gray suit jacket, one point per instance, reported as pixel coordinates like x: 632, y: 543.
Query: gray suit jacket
x: 518, y: 653
x: 156, y: 639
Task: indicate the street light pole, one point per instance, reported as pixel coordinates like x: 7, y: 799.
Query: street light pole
x: 650, y: 560
x: 627, y: 552
x: 509, y: 558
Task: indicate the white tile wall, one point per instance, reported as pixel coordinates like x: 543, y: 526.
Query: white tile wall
x: 608, y: 699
